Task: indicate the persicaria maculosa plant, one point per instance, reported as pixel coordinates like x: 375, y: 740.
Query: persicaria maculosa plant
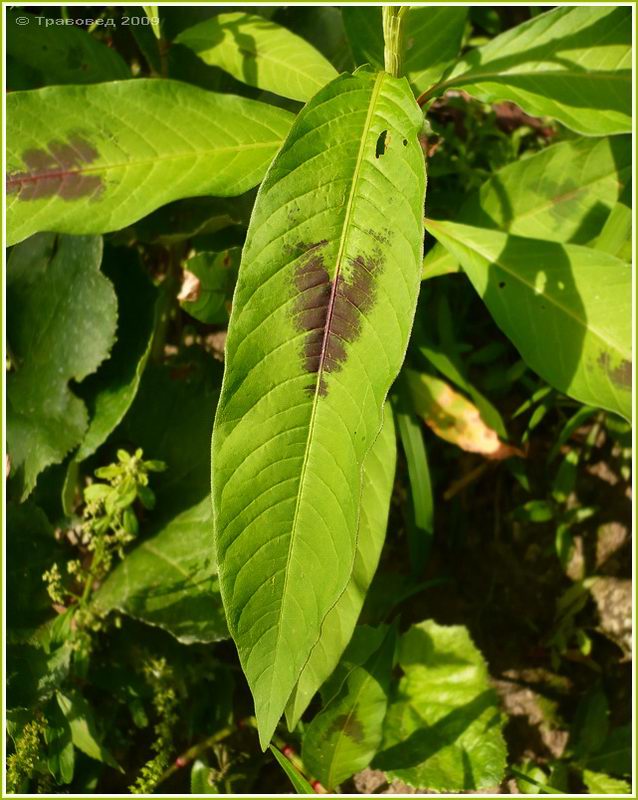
x: 248, y: 186
x: 322, y: 314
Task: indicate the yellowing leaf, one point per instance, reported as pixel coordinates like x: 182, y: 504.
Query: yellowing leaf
x: 454, y: 418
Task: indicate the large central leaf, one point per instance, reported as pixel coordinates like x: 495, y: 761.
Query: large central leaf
x: 321, y: 318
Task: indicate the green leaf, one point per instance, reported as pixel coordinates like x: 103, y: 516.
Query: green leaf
x: 531, y: 779
x: 33, y: 675
x: 616, y: 235
x: 300, y: 784
x: 432, y: 40
x: 615, y: 755
x: 443, y: 732
x: 343, y: 738
x: 573, y: 64
x: 184, y: 393
x: 94, y: 159
x: 186, y: 219
x: 535, y: 511
x: 83, y: 728
x: 439, y: 262
x: 542, y: 293
x: 421, y: 520
x: 61, y: 54
x: 260, y: 53
x: 170, y: 580
x: 209, y: 279
x: 60, y: 752
x: 203, y: 779
x: 31, y: 550
x: 110, y: 392
x: 323, y: 27
x: 591, y: 724
x: 57, y: 300
x: 321, y: 316
x: 564, y: 193
x: 152, y: 12
x: 599, y: 783
x: 339, y: 624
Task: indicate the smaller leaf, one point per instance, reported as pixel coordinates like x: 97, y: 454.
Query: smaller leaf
x: 110, y: 392
x: 534, y: 511
x: 203, y: 779
x: 170, y: 580
x: 83, y: 728
x: 207, y: 285
x: 531, y: 779
x: 599, y: 783
x: 57, y: 298
x: 152, y: 12
x: 615, y: 237
x: 573, y: 64
x: 421, y: 522
x: 540, y: 292
x: 614, y: 756
x: 60, y: 752
x: 444, y: 730
x: 298, y: 781
x: 260, y: 53
x: 454, y: 418
x: 65, y: 55
x: 591, y: 724
x: 30, y: 550
x: 564, y: 193
x: 346, y: 734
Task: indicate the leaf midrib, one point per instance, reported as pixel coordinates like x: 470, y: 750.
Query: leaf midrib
x: 344, y: 236
x: 100, y: 168
x: 473, y: 78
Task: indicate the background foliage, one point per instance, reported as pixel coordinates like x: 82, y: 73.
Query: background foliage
x: 484, y: 637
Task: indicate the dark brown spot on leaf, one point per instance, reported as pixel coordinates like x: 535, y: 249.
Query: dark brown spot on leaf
x: 350, y: 725
x: 330, y: 312
x: 621, y: 374
x: 57, y: 169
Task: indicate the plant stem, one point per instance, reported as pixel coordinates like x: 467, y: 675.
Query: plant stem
x: 196, y: 750
x: 167, y: 303
x: 393, y: 38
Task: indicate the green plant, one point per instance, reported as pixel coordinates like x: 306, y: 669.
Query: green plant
x: 413, y: 382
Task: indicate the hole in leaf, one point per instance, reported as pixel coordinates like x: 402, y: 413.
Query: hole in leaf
x: 405, y: 142
x: 381, y: 145
x: 501, y: 285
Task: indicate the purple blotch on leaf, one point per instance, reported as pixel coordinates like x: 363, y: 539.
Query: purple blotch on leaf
x: 330, y: 312
x: 621, y: 374
x: 57, y: 169
x: 349, y: 725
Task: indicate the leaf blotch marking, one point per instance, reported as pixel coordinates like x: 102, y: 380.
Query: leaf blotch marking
x: 620, y: 375
x: 350, y: 726
x: 57, y: 170
x: 330, y: 311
